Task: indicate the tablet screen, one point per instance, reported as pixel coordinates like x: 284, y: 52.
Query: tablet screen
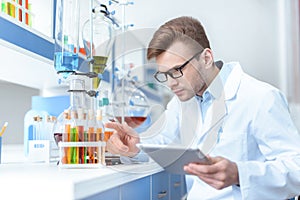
x: 172, y: 158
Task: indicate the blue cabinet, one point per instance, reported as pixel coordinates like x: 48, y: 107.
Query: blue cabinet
x: 177, y: 187
x: 112, y: 194
x: 160, y: 186
x: 139, y: 189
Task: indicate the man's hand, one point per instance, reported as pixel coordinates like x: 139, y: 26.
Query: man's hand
x: 123, y: 141
x: 220, y: 173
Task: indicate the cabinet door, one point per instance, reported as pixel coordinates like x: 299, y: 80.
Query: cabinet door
x: 112, y: 194
x: 139, y: 189
x: 177, y: 186
x: 160, y: 186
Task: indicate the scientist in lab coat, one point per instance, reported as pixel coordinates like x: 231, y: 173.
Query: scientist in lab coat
x: 243, y: 124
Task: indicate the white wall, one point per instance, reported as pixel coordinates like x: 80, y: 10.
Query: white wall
x: 239, y: 30
x: 43, y: 13
x: 257, y: 33
x: 14, y: 103
x: 261, y: 34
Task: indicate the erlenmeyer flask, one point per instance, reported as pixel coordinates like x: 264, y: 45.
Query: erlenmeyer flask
x: 102, y: 37
x: 130, y: 104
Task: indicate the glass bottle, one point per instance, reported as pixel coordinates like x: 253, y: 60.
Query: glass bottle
x: 66, y: 37
x: 71, y: 124
x: 78, y: 120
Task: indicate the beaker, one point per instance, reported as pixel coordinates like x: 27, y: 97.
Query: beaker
x: 66, y: 37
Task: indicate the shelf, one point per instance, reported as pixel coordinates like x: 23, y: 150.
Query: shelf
x: 26, y: 56
x: 25, y: 37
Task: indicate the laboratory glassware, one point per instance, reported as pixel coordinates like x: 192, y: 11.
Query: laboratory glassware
x: 71, y: 123
x: 66, y: 37
x: 99, y: 30
x: 130, y: 104
x: 76, y: 130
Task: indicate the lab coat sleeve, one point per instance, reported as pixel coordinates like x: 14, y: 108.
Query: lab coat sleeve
x: 278, y: 175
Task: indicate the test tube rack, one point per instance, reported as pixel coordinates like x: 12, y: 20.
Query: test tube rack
x: 81, y: 154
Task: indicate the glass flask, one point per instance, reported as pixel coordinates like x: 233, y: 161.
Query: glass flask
x: 130, y: 104
x: 72, y: 123
x: 104, y: 110
x: 66, y: 37
x: 102, y: 38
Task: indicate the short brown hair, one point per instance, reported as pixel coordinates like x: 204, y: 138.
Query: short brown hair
x: 181, y: 29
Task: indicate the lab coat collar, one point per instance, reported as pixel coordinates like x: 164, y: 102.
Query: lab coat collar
x: 223, y: 83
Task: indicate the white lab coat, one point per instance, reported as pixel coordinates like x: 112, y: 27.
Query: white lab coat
x: 252, y: 127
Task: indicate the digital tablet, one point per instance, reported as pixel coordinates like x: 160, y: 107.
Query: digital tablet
x: 172, y: 158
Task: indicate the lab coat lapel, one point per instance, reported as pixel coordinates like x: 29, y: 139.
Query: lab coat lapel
x: 216, y: 113
x: 191, y: 121
x: 214, y: 116
x: 213, y: 122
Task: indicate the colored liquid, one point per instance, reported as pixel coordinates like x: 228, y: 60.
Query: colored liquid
x: 133, y: 121
x: 65, y: 61
x: 98, y: 67
x: 107, y: 135
x: 80, y: 154
x: 58, y: 137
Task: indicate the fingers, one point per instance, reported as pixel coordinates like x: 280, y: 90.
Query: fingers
x: 219, y: 174
x: 123, y: 140
x: 116, y: 126
x: 116, y: 146
x: 121, y: 129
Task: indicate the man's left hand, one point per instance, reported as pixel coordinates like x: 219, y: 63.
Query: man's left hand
x: 220, y: 173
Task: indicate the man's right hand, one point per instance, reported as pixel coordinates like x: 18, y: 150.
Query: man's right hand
x: 123, y: 141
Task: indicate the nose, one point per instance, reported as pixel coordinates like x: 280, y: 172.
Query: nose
x: 172, y: 82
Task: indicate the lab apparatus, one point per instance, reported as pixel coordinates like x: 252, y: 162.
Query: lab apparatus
x: 78, y: 133
x: 66, y: 37
x: 97, y: 36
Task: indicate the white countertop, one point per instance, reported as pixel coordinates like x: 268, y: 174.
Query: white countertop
x: 20, y: 179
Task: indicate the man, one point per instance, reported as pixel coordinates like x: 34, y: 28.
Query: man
x: 255, y: 153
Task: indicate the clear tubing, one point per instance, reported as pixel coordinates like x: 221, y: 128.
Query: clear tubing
x: 123, y: 61
x: 92, y: 103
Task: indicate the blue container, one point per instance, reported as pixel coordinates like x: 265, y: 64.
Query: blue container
x: 43, y: 107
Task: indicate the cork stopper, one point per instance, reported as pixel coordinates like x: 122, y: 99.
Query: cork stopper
x: 91, y: 114
x: 99, y: 114
x: 80, y: 113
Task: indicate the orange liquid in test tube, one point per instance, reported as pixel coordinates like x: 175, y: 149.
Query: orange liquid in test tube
x: 20, y: 10
x: 26, y: 14
x: 91, y: 135
x: 80, y: 150
x: 68, y: 139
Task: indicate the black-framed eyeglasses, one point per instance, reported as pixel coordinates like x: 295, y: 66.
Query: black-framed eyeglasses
x: 175, y: 72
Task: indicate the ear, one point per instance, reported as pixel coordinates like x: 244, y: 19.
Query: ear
x: 208, y: 57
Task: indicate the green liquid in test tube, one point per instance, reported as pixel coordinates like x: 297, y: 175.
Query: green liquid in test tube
x: 3, y: 6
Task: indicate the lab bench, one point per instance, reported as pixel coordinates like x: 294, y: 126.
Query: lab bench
x: 23, y: 180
